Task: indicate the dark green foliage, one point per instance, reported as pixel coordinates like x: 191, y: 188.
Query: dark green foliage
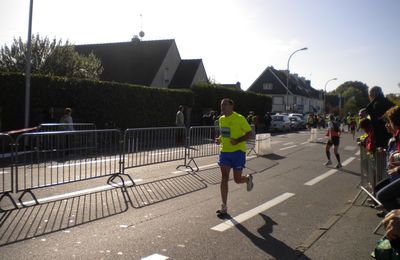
x: 110, y: 104
x: 354, y: 94
x: 209, y: 97
x: 50, y: 58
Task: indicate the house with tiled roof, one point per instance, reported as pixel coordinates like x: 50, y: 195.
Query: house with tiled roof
x: 299, y: 96
x: 148, y: 63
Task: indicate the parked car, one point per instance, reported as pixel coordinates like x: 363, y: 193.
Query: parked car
x: 280, y: 123
x: 303, y: 122
x: 295, y: 123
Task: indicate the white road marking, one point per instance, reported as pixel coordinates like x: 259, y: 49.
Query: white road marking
x: 288, y: 143
x: 350, y: 148
x: 276, y: 142
x: 251, y: 213
x: 80, y: 163
x: 158, y: 153
x: 306, y: 142
x: 78, y: 193
x: 357, y: 153
x: 288, y: 147
x: 327, y: 174
x: 311, y: 144
x: 155, y: 257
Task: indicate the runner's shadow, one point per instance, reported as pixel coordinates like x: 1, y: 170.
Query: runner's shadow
x: 270, y: 245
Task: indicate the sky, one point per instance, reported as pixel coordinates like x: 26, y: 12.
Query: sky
x: 352, y: 40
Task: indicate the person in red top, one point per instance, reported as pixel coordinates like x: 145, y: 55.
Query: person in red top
x: 334, y: 139
x: 366, y: 126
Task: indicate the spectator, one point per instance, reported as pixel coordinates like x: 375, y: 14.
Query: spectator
x: 310, y: 119
x: 267, y: 121
x: 250, y: 118
x: 389, y: 195
x: 392, y: 224
x: 390, y: 159
x: 392, y: 227
x: 376, y: 109
x: 180, y: 119
x: 67, y: 119
x: 315, y: 121
x: 368, y: 139
x: 361, y: 114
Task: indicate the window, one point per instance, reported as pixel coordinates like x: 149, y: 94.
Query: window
x: 277, y: 100
x: 267, y: 86
x: 166, y: 76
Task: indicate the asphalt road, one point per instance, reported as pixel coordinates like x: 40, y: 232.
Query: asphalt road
x: 171, y: 214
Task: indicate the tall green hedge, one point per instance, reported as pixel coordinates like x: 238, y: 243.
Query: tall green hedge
x: 124, y: 105
x: 210, y: 97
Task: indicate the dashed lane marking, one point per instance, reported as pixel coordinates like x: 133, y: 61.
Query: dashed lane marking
x: 288, y: 143
x: 327, y: 174
x: 350, y: 148
x: 155, y: 257
x: 288, y: 147
x: 251, y: 213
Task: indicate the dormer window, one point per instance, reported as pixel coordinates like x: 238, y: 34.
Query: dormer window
x: 267, y: 86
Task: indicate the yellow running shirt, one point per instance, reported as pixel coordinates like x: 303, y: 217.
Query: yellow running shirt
x: 233, y: 126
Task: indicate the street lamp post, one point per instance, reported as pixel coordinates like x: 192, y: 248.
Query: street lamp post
x: 325, y: 93
x: 287, y: 76
x: 28, y: 68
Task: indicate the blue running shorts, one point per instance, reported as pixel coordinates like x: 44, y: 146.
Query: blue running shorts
x: 235, y: 160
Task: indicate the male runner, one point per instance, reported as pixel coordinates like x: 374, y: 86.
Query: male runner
x: 234, y: 132
x: 334, y: 139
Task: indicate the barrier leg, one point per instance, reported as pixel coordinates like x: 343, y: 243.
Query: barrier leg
x: 357, y: 196
x: 378, y: 227
x: 187, y: 165
x: 112, y: 178
x: 32, y: 195
x: 11, y: 199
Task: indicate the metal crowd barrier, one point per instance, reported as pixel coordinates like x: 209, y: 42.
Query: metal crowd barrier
x: 43, y: 159
x: 46, y: 159
x: 6, y: 166
x: 145, y: 146
x: 201, y: 143
x: 251, y: 143
x: 51, y: 127
x: 373, y: 170
x: 373, y: 167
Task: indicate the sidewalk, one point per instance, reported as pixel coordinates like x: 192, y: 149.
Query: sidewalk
x: 347, y: 235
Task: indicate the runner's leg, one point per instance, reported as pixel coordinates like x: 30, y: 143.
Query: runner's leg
x: 224, y: 183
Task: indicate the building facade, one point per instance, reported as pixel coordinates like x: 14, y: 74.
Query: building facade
x: 147, y: 63
x: 298, y: 97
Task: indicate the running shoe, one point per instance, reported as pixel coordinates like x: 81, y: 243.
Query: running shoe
x: 338, y: 165
x: 328, y: 163
x: 223, y: 210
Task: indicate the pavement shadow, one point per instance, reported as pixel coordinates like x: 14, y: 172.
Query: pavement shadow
x: 349, y: 172
x: 273, y: 156
x: 161, y: 190
x: 30, y: 222
x: 211, y: 175
x: 270, y: 245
